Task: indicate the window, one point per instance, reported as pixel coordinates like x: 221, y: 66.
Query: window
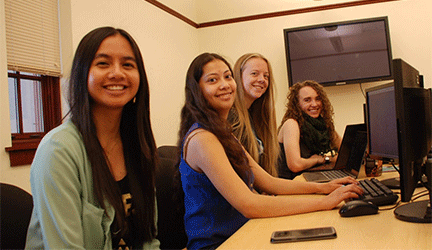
x: 33, y: 46
x: 25, y: 99
x: 34, y: 102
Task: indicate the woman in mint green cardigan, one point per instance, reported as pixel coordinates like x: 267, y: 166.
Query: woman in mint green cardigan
x: 92, y: 178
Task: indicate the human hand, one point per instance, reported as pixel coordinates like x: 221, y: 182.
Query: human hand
x: 319, y: 159
x: 334, y: 184
x: 326, y: 161
x: 319, y: 163
x: 345, y: 180
x: 320, y: 168
x: 340, y: 194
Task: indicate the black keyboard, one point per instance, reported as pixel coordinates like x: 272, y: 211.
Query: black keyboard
x: 377, y: 193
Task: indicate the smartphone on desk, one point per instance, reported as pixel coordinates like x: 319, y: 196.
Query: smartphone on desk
x: 303, y: 234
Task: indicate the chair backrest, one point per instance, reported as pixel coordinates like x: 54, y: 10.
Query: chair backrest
x: 168, y: 151
x: 171, y: 230
x: 16, y: 208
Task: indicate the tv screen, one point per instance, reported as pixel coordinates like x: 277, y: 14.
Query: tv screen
x: 339, y: 53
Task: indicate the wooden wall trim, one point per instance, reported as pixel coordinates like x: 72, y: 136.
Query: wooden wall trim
x: 173, y: 12
x: 291, y: 12
x: 265, y: 15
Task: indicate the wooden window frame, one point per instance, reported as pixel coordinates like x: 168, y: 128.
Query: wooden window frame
x: 24, y: 145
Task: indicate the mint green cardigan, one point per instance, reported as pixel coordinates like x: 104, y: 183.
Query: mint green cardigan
x: 66, y: 214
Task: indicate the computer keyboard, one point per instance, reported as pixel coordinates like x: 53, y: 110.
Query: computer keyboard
x: 336, y: 174
x: 377, y: 193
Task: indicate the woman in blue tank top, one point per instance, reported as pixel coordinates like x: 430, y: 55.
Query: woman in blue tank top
x: 219, y: 177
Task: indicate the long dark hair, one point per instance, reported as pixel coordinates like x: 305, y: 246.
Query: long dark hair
x: 136, y: 133
x: 197, y: 109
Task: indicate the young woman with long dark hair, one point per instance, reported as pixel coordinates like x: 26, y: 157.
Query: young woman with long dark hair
x: 92, y: 177
x: 219, y: 176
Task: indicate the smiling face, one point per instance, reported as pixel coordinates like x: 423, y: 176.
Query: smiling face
x: 218, y: 86
x: 310, y: 102
x: 113, y: 78
x: 255, y: 78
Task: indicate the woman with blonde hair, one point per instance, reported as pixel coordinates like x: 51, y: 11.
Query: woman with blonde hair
x: 253, y: 117
x: 307, y: 135
x: 219, y: 177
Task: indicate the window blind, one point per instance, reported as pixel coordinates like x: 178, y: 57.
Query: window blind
x: 32, y: 36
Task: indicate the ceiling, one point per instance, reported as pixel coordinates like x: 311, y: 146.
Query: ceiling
x: 202, y: 11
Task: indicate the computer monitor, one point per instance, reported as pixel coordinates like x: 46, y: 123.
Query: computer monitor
x: 398, y: 118
x: 339, y: 53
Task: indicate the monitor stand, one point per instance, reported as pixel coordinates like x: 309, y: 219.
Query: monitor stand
x: 418, y: 211
x: 394, y: 183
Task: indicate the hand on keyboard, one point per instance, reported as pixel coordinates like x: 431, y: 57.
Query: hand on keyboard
x: 344, y: 181
x: 377, y: 193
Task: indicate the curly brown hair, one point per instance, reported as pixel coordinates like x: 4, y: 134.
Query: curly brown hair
x: 294, y: 111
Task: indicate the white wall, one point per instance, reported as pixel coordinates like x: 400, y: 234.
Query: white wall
x: 17, y: 176
x: 168, y: 46
x: 410, y: 32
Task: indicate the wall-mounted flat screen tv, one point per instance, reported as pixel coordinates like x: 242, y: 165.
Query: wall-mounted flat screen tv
x: 339, y: 53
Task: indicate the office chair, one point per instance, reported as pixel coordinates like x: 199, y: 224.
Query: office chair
x: 169, y: 194
x: 168, y: 151
x: 16, y: 208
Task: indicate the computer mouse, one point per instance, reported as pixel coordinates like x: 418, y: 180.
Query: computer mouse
x: 357, y: 208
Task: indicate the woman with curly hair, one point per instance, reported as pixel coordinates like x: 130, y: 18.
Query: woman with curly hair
x: 307, y: 135
x: 219, y: 177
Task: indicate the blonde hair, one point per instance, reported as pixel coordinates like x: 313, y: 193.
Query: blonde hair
x: 261, y: 114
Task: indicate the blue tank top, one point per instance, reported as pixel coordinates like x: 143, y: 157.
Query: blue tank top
x: 209, y: 218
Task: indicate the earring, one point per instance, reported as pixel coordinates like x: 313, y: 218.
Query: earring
x: 134, y: 100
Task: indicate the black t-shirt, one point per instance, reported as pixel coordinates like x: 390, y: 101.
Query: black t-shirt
x: 124, y: 240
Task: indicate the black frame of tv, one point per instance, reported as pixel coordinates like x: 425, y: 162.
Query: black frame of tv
x: 329, y: 26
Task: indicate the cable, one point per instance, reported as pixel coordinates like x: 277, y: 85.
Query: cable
x: 361, y: 89
x: 392, y: 207
x: 413, y: 198
x: 425, y: 185
x: 418, y: 197
x: 394, y: 167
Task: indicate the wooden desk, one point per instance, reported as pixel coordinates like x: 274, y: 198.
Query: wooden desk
x: 379, y: 231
